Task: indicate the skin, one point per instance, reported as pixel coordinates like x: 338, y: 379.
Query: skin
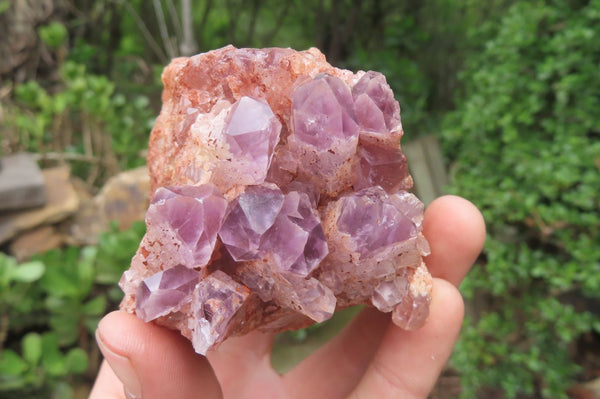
x: 369, y: 358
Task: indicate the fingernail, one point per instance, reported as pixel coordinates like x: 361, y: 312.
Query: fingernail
x: 123, y: 369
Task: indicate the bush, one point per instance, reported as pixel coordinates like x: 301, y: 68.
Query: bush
x: 82, y: 119
x: 525, y: 147
x: 49, y: 310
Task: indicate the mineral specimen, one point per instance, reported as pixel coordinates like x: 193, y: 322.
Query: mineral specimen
x: 280, y: 195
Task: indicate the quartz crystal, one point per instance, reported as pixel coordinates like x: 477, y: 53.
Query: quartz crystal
x: 250, y: 216
x: 377, y: 112
x: 323, y: 112
x: 216, y: 301
x: 164, y: 292
x: 279, y: 196
x: 190, y: 217
x: 252, y: 131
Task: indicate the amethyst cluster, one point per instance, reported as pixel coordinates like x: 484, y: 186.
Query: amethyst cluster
x: 279, y: 197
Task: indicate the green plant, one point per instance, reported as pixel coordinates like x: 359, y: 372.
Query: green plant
x: 83, y: 120
x: 115, y: 250
x: 17, y: 295
x: 67, y: 285
x: 50, y: 308
x: 4, y: 5
x: 36, y: 362
x: 525, y: 147
x: 53, y: 35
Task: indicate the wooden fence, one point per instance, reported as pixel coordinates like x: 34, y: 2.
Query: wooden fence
x: 426, y: 166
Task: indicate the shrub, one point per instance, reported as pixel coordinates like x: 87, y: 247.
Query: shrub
x: 525, y: 147
x: 82, y: 119
x: 49, y: 310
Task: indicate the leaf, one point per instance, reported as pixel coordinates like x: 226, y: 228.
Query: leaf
x: 53, y: 35
x: 91, y: 323
x: 86, y: 270
x: 32, y: 348
x: 61, y: 279
x: 28, y: 272
x: 4, y: 5
x: 56, y: 304
x: 66, y: 326
x: 11, y: 363
x: 77, y: 361
x: 7, y: 265
x: 63, y: 390
x: 95, y: 306
x: 52, y: 360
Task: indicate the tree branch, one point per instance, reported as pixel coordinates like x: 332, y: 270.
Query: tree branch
x: 207, y: 8
x: 146, y: 33
x: 164, y: 32
x: 188, y: 44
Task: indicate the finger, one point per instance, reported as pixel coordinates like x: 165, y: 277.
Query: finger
x: 151, y: 361
x: 408, y: 363
x: 243, y: 366
x: 345, y: 358
x: 455, y: 230
x: 107, y: 385
x: 334, y: 370
x: 255, y: 347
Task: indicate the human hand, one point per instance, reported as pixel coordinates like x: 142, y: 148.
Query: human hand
x: 369, y: 358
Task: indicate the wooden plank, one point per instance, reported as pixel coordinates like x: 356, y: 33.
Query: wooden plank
x: 435, y: 160
x: 426, y: 166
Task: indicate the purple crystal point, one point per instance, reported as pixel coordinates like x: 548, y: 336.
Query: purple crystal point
x: 303, y: 187
x: 164, y: 292
x: 189, y: 216
x: 411, y: 313
x: 388, y: 294
x: 323, y: 110
x: 250, y: 216
x: 382, y: 166
x: 373, y: 221
x: 307, y: 296
x: 376, y: 109
x: 412, y: 310
x: 296, y: 240
x: 252, y: 132
x: 407, y: 296
x: 215, y: 302
x: 369, y: 116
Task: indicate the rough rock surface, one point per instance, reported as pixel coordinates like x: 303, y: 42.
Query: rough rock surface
x: 21, y: 182
x: 37, y: 240
x: 279, y: 196
x: 61, y: 202
x: 124, y: 199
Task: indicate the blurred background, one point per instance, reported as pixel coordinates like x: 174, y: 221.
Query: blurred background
x: 500, y: 104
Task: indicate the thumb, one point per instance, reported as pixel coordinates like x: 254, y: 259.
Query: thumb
x: 149, y: 362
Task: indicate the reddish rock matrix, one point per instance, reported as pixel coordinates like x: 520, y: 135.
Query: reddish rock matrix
x: 279, y: 196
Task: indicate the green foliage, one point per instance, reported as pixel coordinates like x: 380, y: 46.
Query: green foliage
x: 38, y: 361
x: 67, y: 284
x: 115, y: 249
x: 53, y: 35
x: 4, y: 5
x: 87, y: 116
x: 526, y: 149
x: 53, y: 303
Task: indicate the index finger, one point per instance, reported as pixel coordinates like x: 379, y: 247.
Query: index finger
x: 455, y: 230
